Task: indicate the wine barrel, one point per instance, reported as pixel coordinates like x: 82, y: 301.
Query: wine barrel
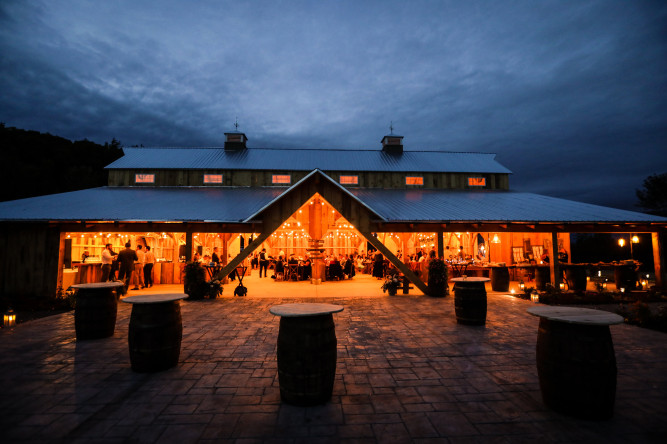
x: 576, y: 366
x: 95, y: 313
x: 470, y: 303
x: 542, y: 277
x: 500, y: 279
x: 154, y: 336
x: 576, y: 277
x: 625, y: 277
x: 306, y: 359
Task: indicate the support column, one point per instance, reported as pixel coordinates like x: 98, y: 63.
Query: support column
x: 658, y: 260
x: 440, y: 242
x: 554, y: 265
x: 188, y: 246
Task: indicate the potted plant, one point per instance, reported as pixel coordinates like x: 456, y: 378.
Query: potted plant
x: 391, y: 284
x: 214, y: 289
x: 437, y: 278
x: 194, y: 281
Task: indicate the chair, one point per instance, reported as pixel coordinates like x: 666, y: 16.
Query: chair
x: 293, y: 272
x: 517, y: 255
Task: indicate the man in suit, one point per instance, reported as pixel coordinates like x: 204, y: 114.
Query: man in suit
x: 126, y: 258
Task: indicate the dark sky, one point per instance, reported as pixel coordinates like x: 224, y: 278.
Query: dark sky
x: 571, y: 95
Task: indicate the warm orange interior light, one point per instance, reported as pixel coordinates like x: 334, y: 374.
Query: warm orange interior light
x: 476, y: 181
x: 349, y: 180
x: 414, y: 180
x: 212, y: 178
x: 144, y: 178
x: 281, y: 178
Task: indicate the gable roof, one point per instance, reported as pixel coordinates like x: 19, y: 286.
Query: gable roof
x: 269, y: 159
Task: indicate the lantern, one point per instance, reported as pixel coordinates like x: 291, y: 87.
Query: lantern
x: 10, y: 318
x: 522, y: 286
x: 621, y: 242
x: 604, y: 285
x: 635, y: 239
x: 562, y: 286
x: 644, y: 284
x: 535, y: 296
x: 622, y: 289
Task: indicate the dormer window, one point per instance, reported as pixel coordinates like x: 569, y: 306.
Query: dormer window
x: 144, y: 178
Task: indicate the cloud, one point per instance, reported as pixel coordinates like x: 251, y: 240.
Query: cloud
x: 567, y: 93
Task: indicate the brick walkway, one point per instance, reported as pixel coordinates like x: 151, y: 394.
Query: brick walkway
x: 406, y: 373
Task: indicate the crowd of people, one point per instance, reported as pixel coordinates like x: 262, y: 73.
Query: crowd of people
x: 128, y: 265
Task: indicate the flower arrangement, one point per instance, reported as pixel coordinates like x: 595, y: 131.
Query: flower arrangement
x: 214, y: 289
x: 391, y: 284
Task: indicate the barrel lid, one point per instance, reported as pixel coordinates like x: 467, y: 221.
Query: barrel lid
x: 300, y: 310
x: 154, y: 298
x: 576, y: 315
x: 110, y: 284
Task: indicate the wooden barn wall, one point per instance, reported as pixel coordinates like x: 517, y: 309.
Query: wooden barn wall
x: 29, y: 259
x: 264, y: 178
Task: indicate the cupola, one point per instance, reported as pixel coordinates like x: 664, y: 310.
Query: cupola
x: 392, y: 143
x: 235, y: 140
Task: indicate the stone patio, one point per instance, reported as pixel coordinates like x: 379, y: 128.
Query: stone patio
x: 406, y: 373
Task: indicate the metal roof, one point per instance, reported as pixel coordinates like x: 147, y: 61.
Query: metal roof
x: 489, y: 206
x: 192, y: 204
x: 307, y: 160
x: 237, y: 204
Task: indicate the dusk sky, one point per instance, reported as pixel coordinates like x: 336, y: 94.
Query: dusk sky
x: 571, y: 95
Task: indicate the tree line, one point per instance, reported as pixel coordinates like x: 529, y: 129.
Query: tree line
x: 34, y: 163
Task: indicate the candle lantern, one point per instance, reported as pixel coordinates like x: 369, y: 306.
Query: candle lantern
x: 604, y: 285
x: 644, y: 284
x: 535, y: 296
x: 562, y: 286
x: 9, y: 318
x: 522, y: 286
x: 622, y: 289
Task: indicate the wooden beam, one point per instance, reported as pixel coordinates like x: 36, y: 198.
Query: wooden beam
x: 394, y: 260
x: 242, y: 255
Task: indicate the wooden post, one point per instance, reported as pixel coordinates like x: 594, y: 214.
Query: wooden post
x: 554, y: 266
x: 440, y: 242
x: 658, y: 260
x: 188, y: 246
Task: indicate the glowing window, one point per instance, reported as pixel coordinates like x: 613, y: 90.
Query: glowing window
x: 349, y: 180
x: 476, y: 181
x: 281, y: 178
x: 212, y: 178
x: 414, y: 180
x: 144, y: 178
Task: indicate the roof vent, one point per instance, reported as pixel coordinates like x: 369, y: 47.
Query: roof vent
x: 392, y: 143
x: 235, y: 140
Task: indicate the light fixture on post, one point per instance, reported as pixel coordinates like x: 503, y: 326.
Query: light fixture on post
x: 9, y: 319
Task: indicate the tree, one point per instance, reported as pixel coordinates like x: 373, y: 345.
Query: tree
x: 653, y: 196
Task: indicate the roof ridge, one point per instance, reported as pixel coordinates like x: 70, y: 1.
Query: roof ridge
x: 303, y: 149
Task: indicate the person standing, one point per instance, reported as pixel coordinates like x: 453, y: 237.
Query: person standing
x: 214, y: 257
x: 107, y: 261
x: 139, y: 268
x: 149, y: 261
x: 126, y: 258
x: 263, y: 262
